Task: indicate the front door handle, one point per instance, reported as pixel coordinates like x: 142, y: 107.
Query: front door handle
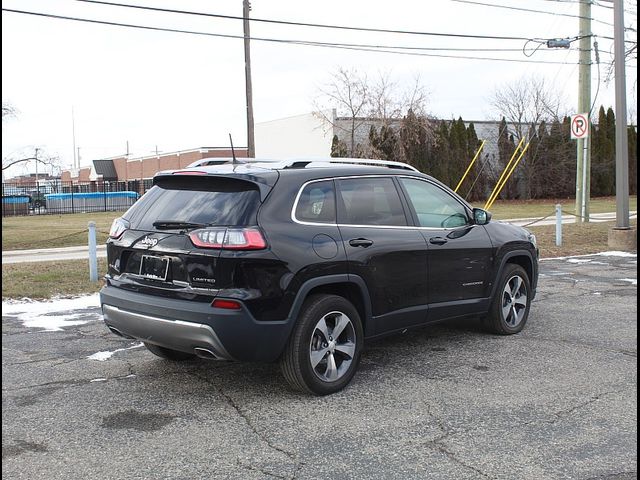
x: 438, y: 240
x: 360, y: 242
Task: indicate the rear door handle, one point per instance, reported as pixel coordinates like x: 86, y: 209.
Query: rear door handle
x: 438, y: 240
x: 360, y: 242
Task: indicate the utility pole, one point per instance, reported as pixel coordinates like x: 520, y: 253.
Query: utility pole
x: 622, y: 153
x: 583, y: 166
x: 622, y: 236
x: 247, y: 74
x: 36, y: 157
x: 73, y: 132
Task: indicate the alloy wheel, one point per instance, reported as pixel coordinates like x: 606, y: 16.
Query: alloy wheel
x: 514, y: 301
x: 332, y: 347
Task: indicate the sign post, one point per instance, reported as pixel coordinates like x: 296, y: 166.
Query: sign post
x: 580, y: 132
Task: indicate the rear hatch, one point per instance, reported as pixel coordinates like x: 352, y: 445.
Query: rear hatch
x: 169, y: 242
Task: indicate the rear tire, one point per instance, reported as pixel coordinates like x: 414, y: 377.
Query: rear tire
x: 510, y: 307
x: 169, y: 354
x: 323, y: 352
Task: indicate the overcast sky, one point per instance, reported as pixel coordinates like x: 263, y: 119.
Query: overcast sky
x: 174, y: 91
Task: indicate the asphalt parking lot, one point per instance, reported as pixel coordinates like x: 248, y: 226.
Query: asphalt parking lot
x: 557, y: 401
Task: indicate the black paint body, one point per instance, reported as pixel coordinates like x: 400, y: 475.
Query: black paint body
x: 402, y: 279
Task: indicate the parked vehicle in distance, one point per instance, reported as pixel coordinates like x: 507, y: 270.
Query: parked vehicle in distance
x: 37, y: 199
x: 301, y: 261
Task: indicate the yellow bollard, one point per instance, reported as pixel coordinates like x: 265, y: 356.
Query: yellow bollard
x: 493, y: 193
x: 469, y: 167
x: 515, y: 164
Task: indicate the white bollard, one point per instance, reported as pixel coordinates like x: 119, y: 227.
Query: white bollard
x: 93, y: 255
x: 558, y: 225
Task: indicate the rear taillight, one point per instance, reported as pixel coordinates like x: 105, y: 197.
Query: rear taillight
x: 226, y: 304
x: 118, y: 227
x: 229, y: 238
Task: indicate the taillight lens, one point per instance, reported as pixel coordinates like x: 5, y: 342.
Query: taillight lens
x: 226, y: 304
x: 229, y: 238
x: 118, y: 227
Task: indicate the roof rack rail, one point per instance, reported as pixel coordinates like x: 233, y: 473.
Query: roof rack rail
x: 302, y: 163
x: 205, y: 162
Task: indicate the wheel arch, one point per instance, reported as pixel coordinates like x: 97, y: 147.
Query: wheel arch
x: 350, y: 287
x: 518, y: 257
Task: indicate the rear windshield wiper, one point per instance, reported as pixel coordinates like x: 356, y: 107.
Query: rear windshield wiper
x: 177, y: 225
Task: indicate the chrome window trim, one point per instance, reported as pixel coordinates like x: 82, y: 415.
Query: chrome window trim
x: 397, y: 227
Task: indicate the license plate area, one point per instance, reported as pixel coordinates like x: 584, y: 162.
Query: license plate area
x: 155, y: 268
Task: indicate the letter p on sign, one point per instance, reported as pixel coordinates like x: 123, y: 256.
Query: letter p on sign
x: 580, y: 126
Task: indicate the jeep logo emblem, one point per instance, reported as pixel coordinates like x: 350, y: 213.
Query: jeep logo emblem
x: 149, y: 242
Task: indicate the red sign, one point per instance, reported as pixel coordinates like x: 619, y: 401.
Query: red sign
x: 580, y: 125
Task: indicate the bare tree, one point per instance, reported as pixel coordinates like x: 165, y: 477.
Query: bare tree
x: 364, y: 103
x: 346, y: 94
x: 526, y: 104
x: 9, y: 111
x: 43, y: 159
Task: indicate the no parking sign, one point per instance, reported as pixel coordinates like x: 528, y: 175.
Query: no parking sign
x: 580, y: 125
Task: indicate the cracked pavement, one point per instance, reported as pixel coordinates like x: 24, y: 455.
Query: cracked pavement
x: 557, y: 401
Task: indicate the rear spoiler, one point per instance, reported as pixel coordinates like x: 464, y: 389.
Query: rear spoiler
x: 200, y: 178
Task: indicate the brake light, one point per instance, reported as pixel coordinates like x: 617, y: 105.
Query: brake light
x: 118, y: 227
x: 226, y: 304
x: 228, y: 238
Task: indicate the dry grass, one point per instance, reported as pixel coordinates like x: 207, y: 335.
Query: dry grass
x: 577, y: 239
x: 49, y: 231
x: 40, y: 280
x: 502, y: 210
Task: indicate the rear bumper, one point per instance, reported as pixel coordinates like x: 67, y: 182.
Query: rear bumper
x: 185, y: 326
x: 174, y: 334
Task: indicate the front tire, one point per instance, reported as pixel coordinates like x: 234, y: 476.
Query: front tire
x: 168, y: 354
x: 510, y: 308
x: 323, y: 352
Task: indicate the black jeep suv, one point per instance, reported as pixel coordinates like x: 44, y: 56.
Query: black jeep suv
x: 301, y: 261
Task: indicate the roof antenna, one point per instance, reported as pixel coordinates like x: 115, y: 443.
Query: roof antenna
x: 233, y: 152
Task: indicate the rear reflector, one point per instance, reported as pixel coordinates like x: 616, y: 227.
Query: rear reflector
x: 228, y: 238
x: 226, y: 304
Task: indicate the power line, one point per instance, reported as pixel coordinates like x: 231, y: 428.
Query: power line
x: 507, y: 7
x: 331, y: 26
x: 303, y: 24
x: 358, y: 47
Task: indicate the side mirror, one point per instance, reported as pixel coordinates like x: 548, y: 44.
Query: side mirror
x: 480, y: 216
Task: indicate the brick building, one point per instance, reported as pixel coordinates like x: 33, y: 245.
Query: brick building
x: 142, y: 169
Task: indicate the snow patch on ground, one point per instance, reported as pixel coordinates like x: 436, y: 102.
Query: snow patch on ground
x: 632, y: 281
x: 106, y: 355
x: 612, y: 253
x: 53, y: 315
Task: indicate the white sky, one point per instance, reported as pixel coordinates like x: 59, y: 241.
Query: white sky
x: 175, y: 91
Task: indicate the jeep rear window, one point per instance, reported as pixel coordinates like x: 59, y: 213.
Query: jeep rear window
x: 214, y: 201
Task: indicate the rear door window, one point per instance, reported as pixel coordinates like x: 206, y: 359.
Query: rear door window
x: 370, y: 201
x: 317, y: 203
x: 210, y: 201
